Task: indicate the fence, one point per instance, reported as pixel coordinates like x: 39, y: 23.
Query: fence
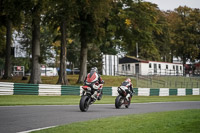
x: 155, y: 81
x: 163, y: 79
x: 58, y: 90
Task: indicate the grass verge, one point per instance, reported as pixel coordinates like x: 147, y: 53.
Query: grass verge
x: 184, y: 121
x: 74, y: 100
x: 109, y: 80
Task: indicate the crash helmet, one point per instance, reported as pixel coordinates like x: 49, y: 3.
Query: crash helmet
x: 94, y: 69
x: 128, y: 80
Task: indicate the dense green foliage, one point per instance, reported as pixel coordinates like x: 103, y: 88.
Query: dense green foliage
x: 90, y: 28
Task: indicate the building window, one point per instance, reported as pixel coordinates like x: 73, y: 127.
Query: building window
x: 123, y: 68
x: 173, y: 67
x: 149, y: 65
x: 181, y: 68
x: 166, y: 66
x: 129, y: 68
x: 159, y: 66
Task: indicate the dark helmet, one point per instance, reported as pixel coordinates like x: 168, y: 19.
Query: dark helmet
x: 94, y: 69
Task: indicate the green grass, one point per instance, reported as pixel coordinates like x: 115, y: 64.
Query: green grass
x: 74, y: 100
x: 109, y: 80
x: 184, y: 121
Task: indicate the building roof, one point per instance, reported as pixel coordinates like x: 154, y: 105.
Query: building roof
x: 132, y: 59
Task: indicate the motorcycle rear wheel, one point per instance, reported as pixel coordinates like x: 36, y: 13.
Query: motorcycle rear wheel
x: 84, y: 103
x: 118, y: 102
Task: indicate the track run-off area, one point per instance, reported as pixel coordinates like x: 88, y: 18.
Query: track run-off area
x: 29, y: 118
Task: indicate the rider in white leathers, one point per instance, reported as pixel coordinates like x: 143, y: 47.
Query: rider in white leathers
x: 129, y: 89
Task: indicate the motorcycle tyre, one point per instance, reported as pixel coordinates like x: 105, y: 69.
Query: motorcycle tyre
x: 84, y: 103
x: 118, y: 103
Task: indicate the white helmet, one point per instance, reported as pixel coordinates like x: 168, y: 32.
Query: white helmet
x: 128, y: 80
x: 94, y: 69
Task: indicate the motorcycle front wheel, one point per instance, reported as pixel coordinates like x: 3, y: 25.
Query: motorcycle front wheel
x: 84, y: 103
x: 118, y: 101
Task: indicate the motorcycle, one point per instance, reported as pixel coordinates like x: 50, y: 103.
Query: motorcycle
x: 88, y: 96
x: 121, y: 98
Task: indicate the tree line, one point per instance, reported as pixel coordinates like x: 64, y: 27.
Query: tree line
x: 79, y: 31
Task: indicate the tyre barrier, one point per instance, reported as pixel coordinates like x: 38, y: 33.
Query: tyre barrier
x: 7, y: 88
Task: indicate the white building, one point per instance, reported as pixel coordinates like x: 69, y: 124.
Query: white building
x: 129, y: 65
x: 110, y: 65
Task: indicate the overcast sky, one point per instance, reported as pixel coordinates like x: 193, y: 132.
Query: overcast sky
x: 172, y: 4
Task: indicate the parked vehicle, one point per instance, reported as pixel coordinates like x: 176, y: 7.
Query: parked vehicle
x: 89, y: 96
x: 121, y: 98
x: 48, y: 71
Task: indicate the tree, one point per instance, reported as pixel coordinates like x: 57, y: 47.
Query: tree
x: 95, y: 59
x: 185, y: 29
x: 2, y: 41
x: 73, y: 53
x: 36, y: 19
x: 10, y: 16
x: 110, y: 43
x: 91, y: 15
x: 63, y: 13
x: 161, y: 39
x: 33, y: 10
x: 138, y: 22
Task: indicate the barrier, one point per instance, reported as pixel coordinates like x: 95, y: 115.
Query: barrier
x: 143, y: 91
x: 195, y: 91
x: 181, y: 92
x: 114, y: 91
x: 164, y: 92
x: 7, y: 88
x: 49, y: 90
x: 70, y: 90
x: 154, y: 92
x: 25, y: 89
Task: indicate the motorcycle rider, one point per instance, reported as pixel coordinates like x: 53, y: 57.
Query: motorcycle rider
x: 129, y: 91
x: 93, y: 79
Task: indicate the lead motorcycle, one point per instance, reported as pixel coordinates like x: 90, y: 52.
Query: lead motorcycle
x: 121, y: 98
x: 88, y: 95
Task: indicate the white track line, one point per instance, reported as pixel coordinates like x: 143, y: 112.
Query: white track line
x: 36, y: 129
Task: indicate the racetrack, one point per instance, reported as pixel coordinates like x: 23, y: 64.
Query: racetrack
x: 23, y: 118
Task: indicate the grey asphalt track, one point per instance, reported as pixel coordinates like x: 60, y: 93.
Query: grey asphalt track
x: 23, y: 118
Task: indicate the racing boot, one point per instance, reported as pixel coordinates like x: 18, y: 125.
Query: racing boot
x: 99, y: 95
x: 94, y: 96
x: 127, y: 97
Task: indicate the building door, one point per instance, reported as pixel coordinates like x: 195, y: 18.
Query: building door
x: 155, y: 68
x: 137, y: 68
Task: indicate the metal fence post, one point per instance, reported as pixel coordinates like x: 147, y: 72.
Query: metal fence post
x: 137, y: 79
x: 175, y: 85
